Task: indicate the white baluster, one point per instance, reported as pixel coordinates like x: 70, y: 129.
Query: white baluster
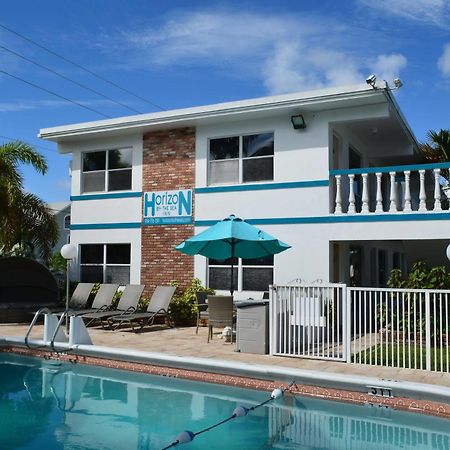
x: 422, y: 193
x: 338, y: 203
x: 351, y: 195
x: 393, y: 194
x: 365, y: 194
x: 379, y: 208
x: 437, y: 190
x: 407, y: 207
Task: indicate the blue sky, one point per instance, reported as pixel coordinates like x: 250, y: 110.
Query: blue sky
x: 185, y: 53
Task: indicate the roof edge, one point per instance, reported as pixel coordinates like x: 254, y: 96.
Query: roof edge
x: 207, y: 111
x: 401, y: 118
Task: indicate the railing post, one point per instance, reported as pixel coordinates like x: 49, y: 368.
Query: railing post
x: 379, y: 208
x: 437, y: 190
x: 272, y: 321
x: 407, y: 207
x: 393, y: 194
x: 338, y: 202
x: 347, y: 323
x: 351, y: 195
x: 427, y: 331
x: 422, y: 193
x: 365, y: 194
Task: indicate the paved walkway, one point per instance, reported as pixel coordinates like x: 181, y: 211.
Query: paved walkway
x: 185, y: 342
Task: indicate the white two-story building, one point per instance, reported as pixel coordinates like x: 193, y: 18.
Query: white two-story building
x: 335, y: 173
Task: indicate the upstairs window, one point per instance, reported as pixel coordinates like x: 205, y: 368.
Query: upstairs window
x: 106, y: 171
x: 241, y: 159
x: 67, y: 222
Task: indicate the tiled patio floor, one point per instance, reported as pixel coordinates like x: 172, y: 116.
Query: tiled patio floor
x: 185, y: 342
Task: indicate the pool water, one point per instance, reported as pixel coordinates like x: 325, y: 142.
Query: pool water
x: 64, y: 406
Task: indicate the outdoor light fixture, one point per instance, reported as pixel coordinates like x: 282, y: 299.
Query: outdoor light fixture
x: 398, y: 83
x: 298, y: 122
x: 68, y: 252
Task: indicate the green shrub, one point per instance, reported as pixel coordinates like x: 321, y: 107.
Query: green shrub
x: 183, y: 307
x: 420, y: 277
x: 143, y: 303
x: 57, y: 263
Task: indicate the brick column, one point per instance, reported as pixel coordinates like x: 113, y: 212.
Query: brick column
x: 168, y: 164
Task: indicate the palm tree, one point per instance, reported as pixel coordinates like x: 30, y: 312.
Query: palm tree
x: 27, y: 226
x: 437, y: 147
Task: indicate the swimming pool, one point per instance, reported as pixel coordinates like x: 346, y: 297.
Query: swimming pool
x: 48, y: 405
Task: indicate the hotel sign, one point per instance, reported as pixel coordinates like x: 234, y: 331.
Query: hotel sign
x: 168, y: 207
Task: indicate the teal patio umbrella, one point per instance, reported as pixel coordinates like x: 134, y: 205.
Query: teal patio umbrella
x: 232, y: 238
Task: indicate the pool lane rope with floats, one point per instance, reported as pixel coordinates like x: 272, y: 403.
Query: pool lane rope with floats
x: 239, y: 411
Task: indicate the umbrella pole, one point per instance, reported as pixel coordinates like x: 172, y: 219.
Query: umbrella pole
x: 232, y: 267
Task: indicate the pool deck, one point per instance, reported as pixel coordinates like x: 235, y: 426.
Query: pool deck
x: 183, y: 341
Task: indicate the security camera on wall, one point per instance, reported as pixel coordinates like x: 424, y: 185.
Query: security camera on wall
x: 371, y: 80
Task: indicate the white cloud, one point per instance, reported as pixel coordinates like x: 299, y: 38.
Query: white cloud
x: 444, y: 61
x: 204, y: 35
x: 434, y: 12
x: 388, y: 67
x: 292, y: 69
x: 285, y: 52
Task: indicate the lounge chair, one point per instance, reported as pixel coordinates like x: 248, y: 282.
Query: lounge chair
x: 79, y: 299
x: 102, y: 300
x: 221, y: 313
x: 127, y: 304
x: 157, y: 307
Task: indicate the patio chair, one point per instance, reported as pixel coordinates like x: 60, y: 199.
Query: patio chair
x: 102, y: 300
x: 157, y: 307
x: 79, y: 299
x: 202, y: 306
x: 127, y: 304
x: 221, y: 313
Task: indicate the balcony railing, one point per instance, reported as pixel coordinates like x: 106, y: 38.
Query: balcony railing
x: 392, y: 189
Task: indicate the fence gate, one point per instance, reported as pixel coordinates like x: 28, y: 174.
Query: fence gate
x: 309, y: 321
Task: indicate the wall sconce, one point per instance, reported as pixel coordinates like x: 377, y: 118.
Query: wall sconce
x: 298, y: 122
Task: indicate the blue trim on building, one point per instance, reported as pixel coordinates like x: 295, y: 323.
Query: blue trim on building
x: 104, y: 226
x: 344, y: 218
x: 262, y: 186
x: 390, y: 169
x: 76, y: 198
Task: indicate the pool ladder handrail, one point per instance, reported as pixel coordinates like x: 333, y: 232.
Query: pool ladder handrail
x: 52, y: 342
x: 55, y: 396
x: 51, y: 386
x: 43, y: 310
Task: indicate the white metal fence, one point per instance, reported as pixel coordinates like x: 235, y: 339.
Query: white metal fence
x: 406, y: 328
x: 308, y: 321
